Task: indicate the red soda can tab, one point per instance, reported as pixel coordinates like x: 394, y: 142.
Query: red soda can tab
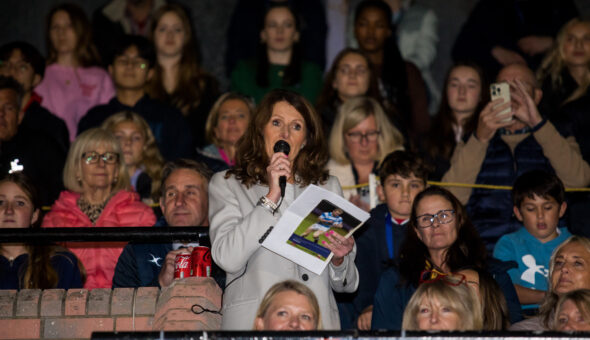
x: 201, y: 257
x: 182, y: 266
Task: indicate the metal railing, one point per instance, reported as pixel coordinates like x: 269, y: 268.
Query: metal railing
x: 103, y: 234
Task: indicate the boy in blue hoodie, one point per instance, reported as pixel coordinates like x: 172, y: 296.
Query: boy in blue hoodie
x: 539, y: 203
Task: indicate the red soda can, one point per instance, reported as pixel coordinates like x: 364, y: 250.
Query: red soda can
x: 182, y: 265
x: 201, y: 257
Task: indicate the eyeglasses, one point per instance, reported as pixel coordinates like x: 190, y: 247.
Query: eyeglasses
x: 348, y: 71
x: 134, y: 62
x: 93, y: 157
x: 357, y: 137
x: 453, y: 279
x: 443, y: 217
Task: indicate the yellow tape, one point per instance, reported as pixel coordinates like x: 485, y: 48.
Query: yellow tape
x: 465, y: 185
x: 442, y: 184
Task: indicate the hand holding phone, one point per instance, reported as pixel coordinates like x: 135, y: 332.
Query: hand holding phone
x: 502, y: 90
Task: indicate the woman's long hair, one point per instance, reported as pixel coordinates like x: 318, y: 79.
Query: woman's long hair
x: 467, y: 251
x: 292, y: 73
x: 450, y: 293
x: 547, y: 306
x: 554, y: 63
x: 441, y: 141
x: 193, y: 81
x: 251, y: 157
x: 152, y: 160
x: 39, y: 273
x: 329, y: 98
x: 85, y: 53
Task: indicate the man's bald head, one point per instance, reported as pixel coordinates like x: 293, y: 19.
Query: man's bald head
x: 523, y: 73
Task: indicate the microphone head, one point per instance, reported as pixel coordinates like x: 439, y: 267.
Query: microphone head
x: 282, y: 146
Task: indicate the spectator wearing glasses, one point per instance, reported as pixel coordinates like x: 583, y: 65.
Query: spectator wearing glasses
x: 350, y: 76
x: 97, y: 195
x: 131, y: 67
x: 361, y: 137
x: 440, y: 240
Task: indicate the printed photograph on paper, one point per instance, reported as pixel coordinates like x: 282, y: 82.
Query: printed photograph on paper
x: 310, y: 233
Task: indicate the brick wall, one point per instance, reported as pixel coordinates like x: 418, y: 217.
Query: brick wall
x: 76, y: 313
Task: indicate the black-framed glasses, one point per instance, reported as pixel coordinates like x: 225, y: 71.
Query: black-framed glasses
x: 357, y: 137
x: 443, y: 217
x: 92, y: 157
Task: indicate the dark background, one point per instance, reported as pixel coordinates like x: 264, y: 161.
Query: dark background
x: 25, y: 20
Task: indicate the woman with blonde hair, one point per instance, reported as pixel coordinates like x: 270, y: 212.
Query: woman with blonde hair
x: 565, y: 71
x: 98, y: 195
x: 569, y: 270
x: 572, y: 312
x: 179, y: 79
x: 446, y: 303
x: 140, y: 152
x: 288, y: 305
x: 361, y: 137
x: 226, y: 123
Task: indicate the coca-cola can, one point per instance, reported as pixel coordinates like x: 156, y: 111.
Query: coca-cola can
x: 182, y: 265
x: 201, y: 257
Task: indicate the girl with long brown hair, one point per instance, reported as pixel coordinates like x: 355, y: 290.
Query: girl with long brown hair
x: 26, y: 266
x: 73, y: 83
x: 179, y: 79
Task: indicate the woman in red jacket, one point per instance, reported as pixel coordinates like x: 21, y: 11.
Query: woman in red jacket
x: 98, y: 196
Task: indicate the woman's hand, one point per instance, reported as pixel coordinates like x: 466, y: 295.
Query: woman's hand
x: 279, y: 166
x: 339, y: 245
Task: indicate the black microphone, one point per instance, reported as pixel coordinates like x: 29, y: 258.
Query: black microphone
x: 282, y: 146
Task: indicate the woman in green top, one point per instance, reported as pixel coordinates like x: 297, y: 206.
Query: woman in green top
x: 279, y: 63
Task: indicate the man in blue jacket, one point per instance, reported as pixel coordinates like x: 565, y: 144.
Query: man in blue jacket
x: 184, y: 203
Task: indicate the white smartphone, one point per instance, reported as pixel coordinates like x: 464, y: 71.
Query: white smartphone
x: 502, y: 90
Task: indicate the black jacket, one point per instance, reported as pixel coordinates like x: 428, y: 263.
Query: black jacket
x: 169, y: 127
x: 39, y: 118
x: 41, y: 158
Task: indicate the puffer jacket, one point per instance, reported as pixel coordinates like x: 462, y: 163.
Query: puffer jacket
x: 124, y: 209
x: 491, y: 210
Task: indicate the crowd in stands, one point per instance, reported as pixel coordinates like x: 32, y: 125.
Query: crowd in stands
x: 473, y: 226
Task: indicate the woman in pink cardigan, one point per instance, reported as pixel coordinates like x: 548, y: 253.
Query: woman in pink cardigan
x: 98, y: 196
x: 73, y: 83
